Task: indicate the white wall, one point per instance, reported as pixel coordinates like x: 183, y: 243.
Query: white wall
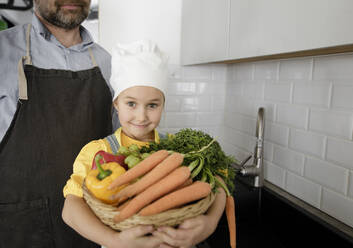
x: 309, y: 121
x: 308, y: 131
x: 126, y: 21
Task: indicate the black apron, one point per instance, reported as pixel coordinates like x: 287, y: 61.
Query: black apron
x: 58, y: 112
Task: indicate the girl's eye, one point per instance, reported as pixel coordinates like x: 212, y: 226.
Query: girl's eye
x: 152, y: 105
x: 131, y: 104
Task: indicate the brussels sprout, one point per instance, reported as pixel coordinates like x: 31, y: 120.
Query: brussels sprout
x: 124, y: 151
x: 131, y: 161
x: 145, y: 155
x: 134, y: 148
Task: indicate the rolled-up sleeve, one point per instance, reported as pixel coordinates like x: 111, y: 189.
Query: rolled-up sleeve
x: 82, y: 166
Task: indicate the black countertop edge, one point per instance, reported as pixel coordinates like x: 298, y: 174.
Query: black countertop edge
x: 336, y: 226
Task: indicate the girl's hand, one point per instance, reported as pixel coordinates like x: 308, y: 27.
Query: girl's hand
x: 193, y: 231
x: 135, y: 237
x: 189, y: 233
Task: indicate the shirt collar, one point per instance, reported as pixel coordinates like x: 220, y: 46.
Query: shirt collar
x: 118, y: 134
x: 41, y: 30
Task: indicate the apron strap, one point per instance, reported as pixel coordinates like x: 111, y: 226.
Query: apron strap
x: 22, y: 81
x: 113, y: 142
x: 92, y: 57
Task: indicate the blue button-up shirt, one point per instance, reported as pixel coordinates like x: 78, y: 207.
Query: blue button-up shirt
x: 47, y: 53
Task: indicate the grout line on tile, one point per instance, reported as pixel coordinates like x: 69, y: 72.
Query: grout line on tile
x: 311, y: 71
x: 347, y: 184
x: 324, y: 150
x: 278, y: 70
x: 330, y: 95
x: 291, y: 93
x: 307, y: 118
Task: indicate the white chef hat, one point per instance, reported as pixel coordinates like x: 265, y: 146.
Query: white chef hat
x: 140, y: 63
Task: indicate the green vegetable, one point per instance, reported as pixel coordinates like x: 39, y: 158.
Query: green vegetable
x: 131, y: 161
x: 134, y: 148
x: 197, y: 145
x: 144, y: 155
x: 124, y: 151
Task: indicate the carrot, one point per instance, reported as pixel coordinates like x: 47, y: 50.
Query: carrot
x: 194, y: 192
x: 230, y: 213
x: 121, y: 206
x: 185, y: 184
x: 155, y: 191
x: 140, y: 169
x: 161, y: 170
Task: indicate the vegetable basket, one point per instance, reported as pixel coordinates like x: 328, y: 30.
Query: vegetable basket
x: 172, y: 217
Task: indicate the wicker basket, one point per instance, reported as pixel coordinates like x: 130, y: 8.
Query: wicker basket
x: 173, y: 217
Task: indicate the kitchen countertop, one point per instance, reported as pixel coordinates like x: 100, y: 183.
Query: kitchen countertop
x: 266, y: 219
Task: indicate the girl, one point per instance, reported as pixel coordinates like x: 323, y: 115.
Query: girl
x: 139, y: 78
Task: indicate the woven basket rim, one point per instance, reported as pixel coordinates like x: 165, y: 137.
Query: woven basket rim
x: 106, y: 212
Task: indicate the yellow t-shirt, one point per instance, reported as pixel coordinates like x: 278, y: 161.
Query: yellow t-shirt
x: 83, y: 161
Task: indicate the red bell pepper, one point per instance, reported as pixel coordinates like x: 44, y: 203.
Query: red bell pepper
x: 107, y: 158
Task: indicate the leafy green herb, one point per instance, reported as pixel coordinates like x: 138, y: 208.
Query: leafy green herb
x: 196, y: 144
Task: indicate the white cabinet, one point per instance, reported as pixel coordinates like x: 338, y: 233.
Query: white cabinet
x: 204, y: 31
x: 256, y: 28
x: 260, y: 28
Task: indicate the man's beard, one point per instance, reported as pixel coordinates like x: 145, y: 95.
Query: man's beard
x: 66, y: 19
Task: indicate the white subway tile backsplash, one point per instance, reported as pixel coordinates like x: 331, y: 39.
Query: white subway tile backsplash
x: 303, y: 189
x: 218, y: 103
x: 233, y: 90
x: 232, y: 150
x: 278, y: 92
x: 212, y: 88
x: 338, y: 206
x: 266, y: 70
x: 340, y: 152
x: 253, y: 90
x: 180, y: 120
x: 288, y: 159
x: 243, y: 71
x: 333, y: 67
x: 173, y: 103
x: 309, y: 120
x: 268, y: 151
x: 209, y: 119
x: 241, y: 105
x: 317, y: 94
x: 326, y: 174
x: 196, y: 103
x: 274, y: 174
x: 199, y: 72
x: 241, y: 123
x: 342, y: 96
x: 292, y: 115
x: 276, y: 133
x: 231, y: 73
x: 182, y: 88
x: 238, y: 139
x: 332, y: 123
x: 307, y: 142
x: 295, y: 69
x: 219, y: 72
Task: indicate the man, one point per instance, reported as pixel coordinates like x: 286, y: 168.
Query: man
x: 54, y: 98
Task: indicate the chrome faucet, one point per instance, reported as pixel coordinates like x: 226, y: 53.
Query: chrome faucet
x: 256, y: 168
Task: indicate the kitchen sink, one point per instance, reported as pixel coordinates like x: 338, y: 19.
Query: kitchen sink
x: 266, y: 219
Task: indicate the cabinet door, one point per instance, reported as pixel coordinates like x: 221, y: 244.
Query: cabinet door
x: 204, y: 30
x: 259, y: 28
